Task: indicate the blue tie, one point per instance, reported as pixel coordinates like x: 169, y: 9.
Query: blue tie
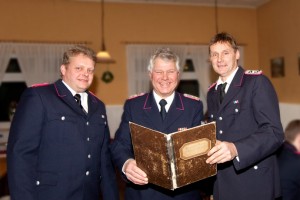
x: 163, y: 111
x: 78, y: 100
x: 222, y: 91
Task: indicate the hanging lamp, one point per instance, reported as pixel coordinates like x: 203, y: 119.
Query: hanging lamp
x: 103, y: 55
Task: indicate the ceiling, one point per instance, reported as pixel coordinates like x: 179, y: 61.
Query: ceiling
x: 225, y: 3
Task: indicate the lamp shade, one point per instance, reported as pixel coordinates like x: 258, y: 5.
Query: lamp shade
x: 104, y: 57
x: 188, y: 66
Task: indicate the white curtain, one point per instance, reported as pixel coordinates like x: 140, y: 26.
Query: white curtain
x: 137, y: 62
x: 138, y: 56
x: 38, y: 62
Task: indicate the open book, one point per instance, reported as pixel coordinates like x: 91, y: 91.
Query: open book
x: 177, y: 159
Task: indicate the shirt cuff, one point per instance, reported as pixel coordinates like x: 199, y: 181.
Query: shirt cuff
x: 125, y: 164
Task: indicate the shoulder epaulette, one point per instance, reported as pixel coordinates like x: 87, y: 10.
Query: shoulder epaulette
x: 253, y: 72
x: 192, y: 97
x: 92, y: 94
x: 39, y: 84
x: 212, y: 85
x: 136, y: 95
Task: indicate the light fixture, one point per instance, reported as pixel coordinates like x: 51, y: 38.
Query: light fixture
x: 103, y: 56
x: 188, y: 65
x: 216, y: 17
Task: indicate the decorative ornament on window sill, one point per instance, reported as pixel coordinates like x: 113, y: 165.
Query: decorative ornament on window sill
x: 107, y: 77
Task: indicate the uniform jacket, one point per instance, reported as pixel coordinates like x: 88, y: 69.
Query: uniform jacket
x: 248, y: 117
x: 183, y: 113
x: 56, y: 151
x: 289, y: 165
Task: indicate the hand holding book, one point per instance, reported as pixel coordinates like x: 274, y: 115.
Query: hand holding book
x: 134, y: 173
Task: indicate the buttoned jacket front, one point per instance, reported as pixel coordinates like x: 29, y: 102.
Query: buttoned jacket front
x: 56, y: 151
x: 184, y: 112
x: 249, y: 117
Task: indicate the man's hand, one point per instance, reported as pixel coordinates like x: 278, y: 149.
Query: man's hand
x: 135, y: 174
x: 222, y: 152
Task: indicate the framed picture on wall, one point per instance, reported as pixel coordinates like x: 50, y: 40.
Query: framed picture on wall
x: 277, y: 67
x: 299, y: 63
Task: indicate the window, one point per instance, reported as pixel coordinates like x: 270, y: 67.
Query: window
x: 189, y: 87
x: 11, y: 89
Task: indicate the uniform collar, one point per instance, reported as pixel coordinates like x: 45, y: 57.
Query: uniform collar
x: 84, y: 95
x: 228, y: 80
x: 169, y: 100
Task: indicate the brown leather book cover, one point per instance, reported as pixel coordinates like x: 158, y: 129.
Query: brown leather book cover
x: 177, y: 159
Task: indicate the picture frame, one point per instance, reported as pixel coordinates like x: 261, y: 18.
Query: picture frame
x: 299, y: 64
x: 277, y: 67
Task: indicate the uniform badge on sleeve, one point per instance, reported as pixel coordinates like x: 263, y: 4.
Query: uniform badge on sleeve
x: 253, y: 72
x: 136, y: 95
x: 192, y: 97
x: 93, y: 94
x: 39, y: 84
x: 212, y: 86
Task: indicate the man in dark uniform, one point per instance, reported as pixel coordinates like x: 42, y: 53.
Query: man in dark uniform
x: 245, y: 106
x: 289, y: 162
x: 182, y: 112
x: 58, y: 143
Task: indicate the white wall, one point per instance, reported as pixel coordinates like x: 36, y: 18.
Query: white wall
x: 289, y: 112
x: 114, y: 113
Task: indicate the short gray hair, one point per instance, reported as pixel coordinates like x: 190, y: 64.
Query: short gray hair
x: 165, y: 54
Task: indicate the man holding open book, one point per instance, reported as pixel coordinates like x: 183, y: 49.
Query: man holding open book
x: 162, y: 109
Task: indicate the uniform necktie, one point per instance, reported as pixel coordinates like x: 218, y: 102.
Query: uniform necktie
x: 78, y: 100
x: 222, y: 91
x: 163, y: 111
